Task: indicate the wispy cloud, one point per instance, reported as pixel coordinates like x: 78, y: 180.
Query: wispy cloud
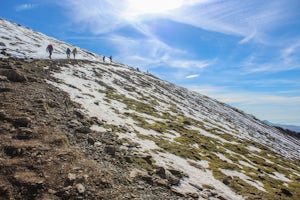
x: 192, y: 76
x: 23, y: 7
x: 291, y: 52
x: 153, y: 52
x: 273, y: 60
x: 274, y: 66
x: 194, y: 64
x: 249, y: 20
x: 246, y: 19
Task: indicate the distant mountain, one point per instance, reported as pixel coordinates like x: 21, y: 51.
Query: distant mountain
x: 288, y: 127
x: 165, y: 135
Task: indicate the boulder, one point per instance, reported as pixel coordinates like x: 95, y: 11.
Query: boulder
x: 22, y: 122
x: 13, y: 75
x: 80, y: 188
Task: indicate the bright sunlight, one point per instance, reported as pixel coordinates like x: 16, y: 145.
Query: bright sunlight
x: 140, y: 7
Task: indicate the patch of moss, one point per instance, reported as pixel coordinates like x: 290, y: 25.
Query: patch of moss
x: 247, y: 190
x: 90, y: 95
x: 209, y: 187
x: 5, y: 38
x: 153, y: 102
x: 145, y: 163
x: 133, y: 104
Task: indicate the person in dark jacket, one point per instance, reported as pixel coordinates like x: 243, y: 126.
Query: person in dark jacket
x: 50, y: 50
x: 68, y: 52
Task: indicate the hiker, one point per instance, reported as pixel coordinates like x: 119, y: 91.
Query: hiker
x: 68, y: 52
x: 50, y: 50
x: 74, y: 52
x: 103, y: 58
x: 110, y: 58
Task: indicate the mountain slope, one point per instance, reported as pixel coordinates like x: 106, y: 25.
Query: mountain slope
x: 194, y: 145
x: 23, y: 42
x: 296, y: 129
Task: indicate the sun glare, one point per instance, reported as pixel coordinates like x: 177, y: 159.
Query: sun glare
x: 140, y: 7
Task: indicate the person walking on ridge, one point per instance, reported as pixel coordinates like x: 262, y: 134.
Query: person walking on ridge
x: 50, y: 50
x: 110, y: 58
x: 68, y: 52
x: 74, y: 52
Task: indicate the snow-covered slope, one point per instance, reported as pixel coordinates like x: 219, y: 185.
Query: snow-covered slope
x: 200, y: 142
x: 21, y: 42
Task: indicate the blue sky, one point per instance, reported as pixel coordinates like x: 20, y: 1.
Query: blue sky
x: 244, y: 53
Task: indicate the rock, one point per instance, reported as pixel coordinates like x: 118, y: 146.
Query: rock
x: 221, y: 197
x: 22, y: 122
x: 161, y: 182
x: 80, y: 188
x: 110, y: 149
x: 67, y: 188
x: 91, y: 140
x: 198, y: 187
x: 3, y: 78
x: 83, y: 129
x: 194, y: 195
x: 71, y: 177
x: 74, y: 123
x: 28, y: 177
x: 24, y: 134
x: 197, y: 165
x: 136, y: 173
x: 176, y: 173
x: 95, y: 120
x: 13, y: 75
x: 177, y: 192
x: 148, y: 158
x: 3, y: 115
x: 131, y: 144
x: 5, y: 89
x: 173, y: 180
x: 161, y: 172
x: 79, y: 114
x: 286, y: 192
x: 97, y: 144
x: 51, y: 191
x: 165, y: 174
x: 227, y: 180
x: 83, y: 178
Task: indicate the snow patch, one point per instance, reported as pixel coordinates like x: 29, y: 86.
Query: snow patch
x: 245, y: 178
x: 253, y: 148
x: 222, y: 157
x: 279, y: 176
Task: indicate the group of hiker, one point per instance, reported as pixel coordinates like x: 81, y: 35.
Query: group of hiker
x: 110, y: 59
x: 50, y: 48
x: 68, y: 52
